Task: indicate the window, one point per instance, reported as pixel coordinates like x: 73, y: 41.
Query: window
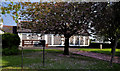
x: 81, y: 40
x: 71, y: 40
x: 57, y: 40
x: 76, y: 40
x: 49, y: 38
x: 86, y: 40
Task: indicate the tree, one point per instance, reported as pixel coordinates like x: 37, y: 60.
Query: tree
x: 107, y: 23
x: 11, y: 8
x: 63, y: 18
x: 58, y: 18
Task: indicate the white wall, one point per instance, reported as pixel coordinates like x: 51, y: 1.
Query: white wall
x: 20, y: 35
x: 52, y: 39
x: 1, y: 32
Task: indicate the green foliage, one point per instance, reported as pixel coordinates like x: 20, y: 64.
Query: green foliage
x: 104, y: 51
x: 10, y: 43
x: 11, y: 8
x: 57, y: 18
x: 11, y: 51
x: 3, y: 12
x: 8, y: 12
x: 106, y: 20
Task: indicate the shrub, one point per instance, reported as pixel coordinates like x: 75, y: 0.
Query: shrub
x: 10, y: 43
x: 10, y: 51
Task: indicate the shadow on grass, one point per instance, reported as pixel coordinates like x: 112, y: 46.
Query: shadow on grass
x: 46, y: 50
x: 33, y: 60
x: 11, y: 61
x: 14, y: 61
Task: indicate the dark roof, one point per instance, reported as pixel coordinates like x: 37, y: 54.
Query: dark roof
x: 10, y: 29
x: 24, y: 30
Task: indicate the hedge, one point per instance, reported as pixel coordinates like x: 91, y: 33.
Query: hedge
x: 10, y: 44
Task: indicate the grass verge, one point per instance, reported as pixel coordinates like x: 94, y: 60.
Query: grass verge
x: 104, y: 51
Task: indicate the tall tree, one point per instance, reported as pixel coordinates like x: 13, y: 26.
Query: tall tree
x: 106, y: 23
x: 59, y: 18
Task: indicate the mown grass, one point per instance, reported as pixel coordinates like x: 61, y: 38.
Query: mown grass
x: 54, y: 60
x: 104, y: 51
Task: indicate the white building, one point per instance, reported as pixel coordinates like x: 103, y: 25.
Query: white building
x: 29, y: 39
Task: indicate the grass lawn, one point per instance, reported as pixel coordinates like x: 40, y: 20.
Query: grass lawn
x: 54, y: 60
x: 105, y: 51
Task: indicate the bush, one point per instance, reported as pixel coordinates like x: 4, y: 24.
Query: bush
x: 10, y: 44
x: 10, y: 51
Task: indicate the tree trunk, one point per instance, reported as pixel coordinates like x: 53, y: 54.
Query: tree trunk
x: 113, y: 51
x: 66, y: 47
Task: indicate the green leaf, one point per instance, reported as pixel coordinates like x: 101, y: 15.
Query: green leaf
x: 16, y: 21
x: 13, y: 17
x: 16, y: 10
x: 3, y: 12
x: 2, y: 19
x: 12, y: 2
x: 17, y: 14
x: 8, y: 12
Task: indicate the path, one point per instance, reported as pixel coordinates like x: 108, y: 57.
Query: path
x: 98, y: 56
x: 95, y: 55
